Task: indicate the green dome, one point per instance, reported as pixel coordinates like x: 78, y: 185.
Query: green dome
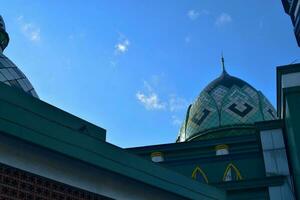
x: 226, y: 102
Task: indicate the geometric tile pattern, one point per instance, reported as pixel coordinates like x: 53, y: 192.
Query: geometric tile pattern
x: 203, y: 114
x: 239, y: 108
x: 226, y: 101
x: 181, y: 135
x: 218, y: 95
x: 268, y: 109
x: 252, y: 93
x: 12, y: 76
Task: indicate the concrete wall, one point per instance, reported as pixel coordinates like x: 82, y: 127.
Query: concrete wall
x: 49, y: 164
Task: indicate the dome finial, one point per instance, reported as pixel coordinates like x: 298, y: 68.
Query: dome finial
x: 223, y: 64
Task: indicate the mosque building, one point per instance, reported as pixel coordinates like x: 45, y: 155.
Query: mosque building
x: 232, y: 145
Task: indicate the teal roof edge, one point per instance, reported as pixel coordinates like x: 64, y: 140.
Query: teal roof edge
x: 37, y: 122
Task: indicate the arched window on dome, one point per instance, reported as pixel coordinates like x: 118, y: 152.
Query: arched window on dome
x: 232, y: 173
x: 199, y: 175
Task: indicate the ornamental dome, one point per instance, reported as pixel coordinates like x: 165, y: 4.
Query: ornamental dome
x: 9, y: 72
x: 227, y: 103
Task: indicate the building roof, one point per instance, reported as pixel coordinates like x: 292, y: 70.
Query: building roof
x: 227, y: 81
x: 226, y: 102
x: 34, y: 121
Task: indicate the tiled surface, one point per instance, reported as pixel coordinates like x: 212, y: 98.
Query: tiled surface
x: 226, y: 104
x: 11, y: 75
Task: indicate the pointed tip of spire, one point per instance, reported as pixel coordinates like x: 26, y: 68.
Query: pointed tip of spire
x: 223, y: 64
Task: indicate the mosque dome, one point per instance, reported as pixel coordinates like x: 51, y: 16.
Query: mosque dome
x: 10, y: 74
x: 227, y: 105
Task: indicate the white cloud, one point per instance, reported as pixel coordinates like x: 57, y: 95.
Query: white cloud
x: 193, y: 14
x: 177, y: 103
x: 151, y: 101
x: 149, y: 98
x: 29, y: 30
x: 122, y: 46
x: 176, y: 121
x: 223, y: 19
x: 32, y: 32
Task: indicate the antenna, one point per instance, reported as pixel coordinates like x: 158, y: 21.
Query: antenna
x: 223, y: 63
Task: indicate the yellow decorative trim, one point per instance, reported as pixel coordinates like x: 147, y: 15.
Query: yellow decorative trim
x: 221, y: 146
x: 238, y: 174
x: 199, y: 170
x: 157, y: 153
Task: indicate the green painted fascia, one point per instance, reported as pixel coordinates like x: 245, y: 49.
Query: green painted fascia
x: 291, y: 111
x: 193, y: 144
x: 252, y: 183
x: 26, y: 118
x: 269, y: 125
x: 214, y: 160
x: 204, y: 135
x: 281, y: 70
x: 291, y: 90
x: 20, y: 99
x: 183, y: 157
x: 203, y: 152
x: 202, y: 148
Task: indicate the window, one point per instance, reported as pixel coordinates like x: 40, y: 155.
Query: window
x: 199, y: 175
x: 222, y: 149
x: 157, y: 157
x: 232, y: 173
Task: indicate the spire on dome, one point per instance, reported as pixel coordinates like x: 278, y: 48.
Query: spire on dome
x: 223, y: 64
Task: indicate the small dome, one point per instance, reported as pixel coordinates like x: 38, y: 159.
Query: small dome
x: 226, y: 102
x: 9, y: 72
x: 12, y: 76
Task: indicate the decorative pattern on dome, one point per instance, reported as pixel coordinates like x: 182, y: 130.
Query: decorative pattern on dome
x: 269, y: 112
x: 224, y: 102
x: 203, y: 113
x: 11, y: 75
x: 238, y: 107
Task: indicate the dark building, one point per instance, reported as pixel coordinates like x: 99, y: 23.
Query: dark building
x: 292, y: 8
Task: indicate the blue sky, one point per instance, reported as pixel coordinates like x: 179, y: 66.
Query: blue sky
x: 132, y: 67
